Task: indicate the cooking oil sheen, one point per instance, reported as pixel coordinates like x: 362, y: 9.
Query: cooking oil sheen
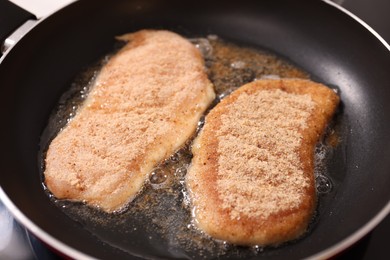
x: 158, y: 222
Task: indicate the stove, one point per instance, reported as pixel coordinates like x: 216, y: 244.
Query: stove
x: 18, y: 244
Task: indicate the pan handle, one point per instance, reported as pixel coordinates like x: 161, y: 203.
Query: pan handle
x: 18, y: 17
x: 11, y: 18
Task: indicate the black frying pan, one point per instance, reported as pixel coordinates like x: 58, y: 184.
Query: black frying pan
x: 333, y: 47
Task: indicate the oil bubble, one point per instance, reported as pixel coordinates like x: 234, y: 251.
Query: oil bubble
x: 269, y: 76
x: 181, y: 171
x: 257, y: 249
x: 204, y: 46
x: 323, y: 184
x: 212, y: 37
x: 158, y: 176
x: 174, y: 158
x: 200, y: 123
x: 238, y: 64
x: 225, y: 94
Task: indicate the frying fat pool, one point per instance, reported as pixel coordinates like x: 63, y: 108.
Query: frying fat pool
x: 136, y: 145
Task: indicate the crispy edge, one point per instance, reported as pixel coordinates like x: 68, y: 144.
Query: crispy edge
x: 202, y: 176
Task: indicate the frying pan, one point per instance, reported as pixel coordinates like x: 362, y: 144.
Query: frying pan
x: 315, y: 35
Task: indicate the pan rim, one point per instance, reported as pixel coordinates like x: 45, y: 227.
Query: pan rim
x: 354, y: 237
x: 360, y: 21
x: 77, y: 254
x: 40, y: 233
x: 381, y: 215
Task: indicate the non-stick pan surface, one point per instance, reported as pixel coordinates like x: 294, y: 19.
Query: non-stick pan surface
x: 321, y: 39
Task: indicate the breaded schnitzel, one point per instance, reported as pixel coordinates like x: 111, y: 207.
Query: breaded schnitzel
x: 145, y: 104
x: 251, y: 180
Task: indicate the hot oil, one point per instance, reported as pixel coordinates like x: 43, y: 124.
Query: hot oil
x: 161, y: 213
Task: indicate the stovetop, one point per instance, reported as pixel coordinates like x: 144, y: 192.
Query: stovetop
x: 16, y: 243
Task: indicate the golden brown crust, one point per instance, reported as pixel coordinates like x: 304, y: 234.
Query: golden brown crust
x: 145, y: 104
x: 251, y: 180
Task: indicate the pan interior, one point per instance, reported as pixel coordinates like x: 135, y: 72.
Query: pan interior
x: 62, y: 45
x: 161, y: 213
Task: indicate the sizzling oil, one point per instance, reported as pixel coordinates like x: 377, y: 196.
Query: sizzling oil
x: 161, y: 213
